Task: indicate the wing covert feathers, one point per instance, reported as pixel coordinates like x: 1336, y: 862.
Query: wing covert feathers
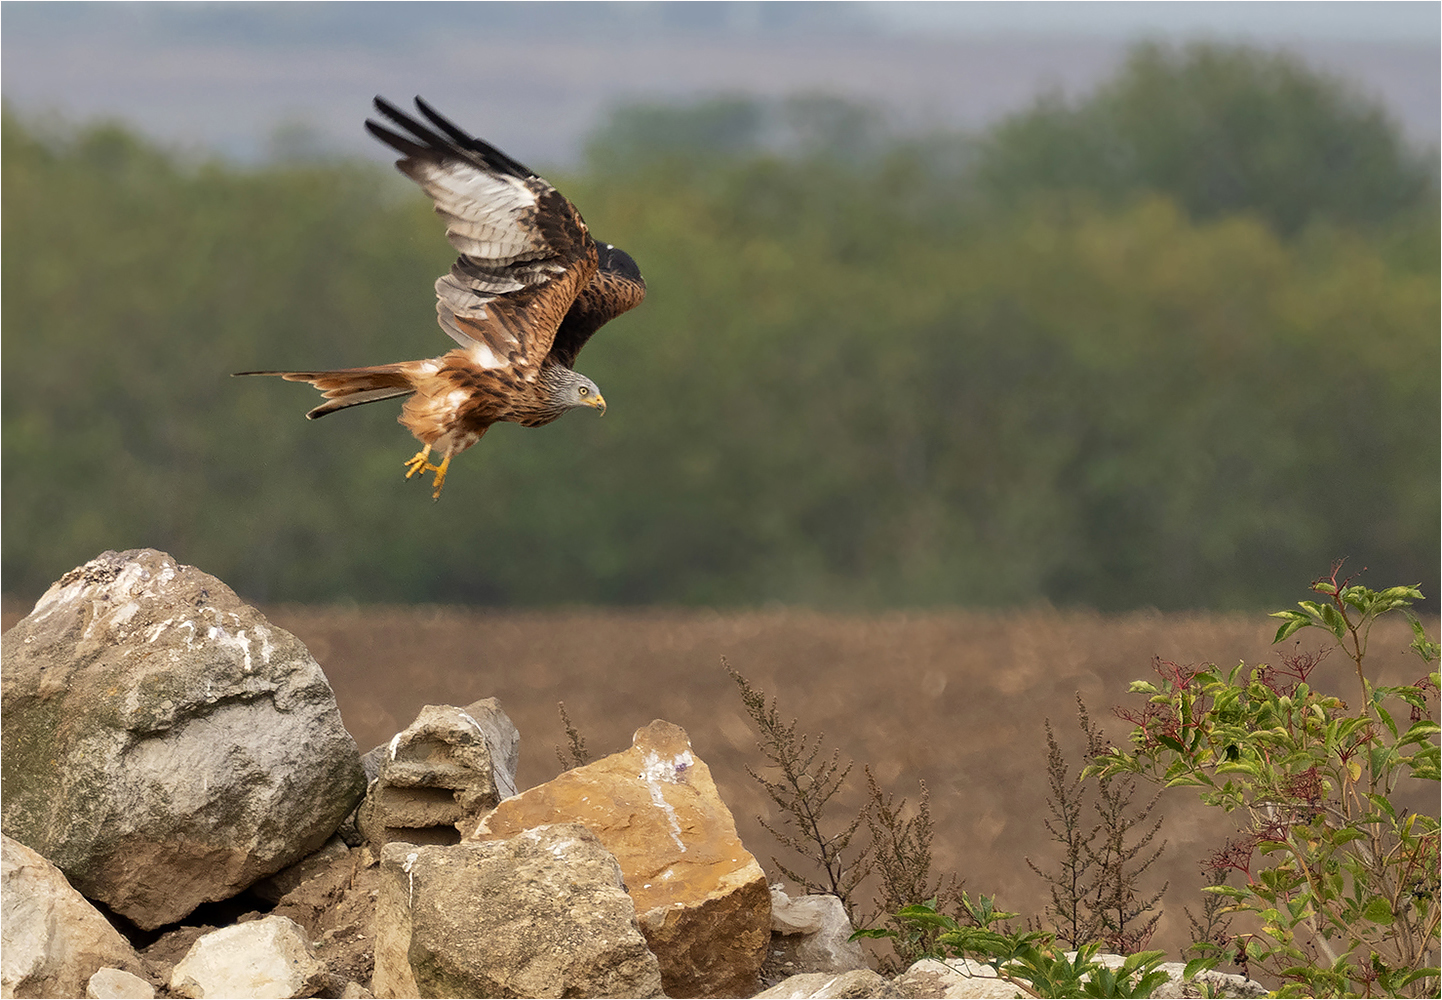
x: 617, y: 287
x: 523, y: 246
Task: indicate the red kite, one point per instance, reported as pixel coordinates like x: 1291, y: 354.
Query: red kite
x: 530, y: 288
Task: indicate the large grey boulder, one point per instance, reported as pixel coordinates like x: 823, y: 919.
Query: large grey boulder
x: 164, y: 744
x: 543, y: 914
x: 436, y: 778
x: 51, y: 940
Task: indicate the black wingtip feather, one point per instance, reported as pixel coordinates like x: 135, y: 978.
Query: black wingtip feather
x: 493, y: 156
x: 435, y: 142
x: 455, y: 142
x: 397, y: 142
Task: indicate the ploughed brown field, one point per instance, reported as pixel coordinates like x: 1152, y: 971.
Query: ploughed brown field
x: 955, y: 699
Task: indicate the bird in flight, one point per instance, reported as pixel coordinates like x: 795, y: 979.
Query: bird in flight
x: 529, y: 289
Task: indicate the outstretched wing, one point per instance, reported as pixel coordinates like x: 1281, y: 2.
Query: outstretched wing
x: 525, y: 251
x: 617, y: 286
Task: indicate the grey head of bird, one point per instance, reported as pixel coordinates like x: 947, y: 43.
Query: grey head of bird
x: 568, y: 389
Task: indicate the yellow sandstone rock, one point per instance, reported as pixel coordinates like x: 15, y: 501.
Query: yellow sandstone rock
x: 701, y: 898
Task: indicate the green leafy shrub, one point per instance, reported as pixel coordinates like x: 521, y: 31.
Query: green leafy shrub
x: 1030, y: 960
x: 1342, y: 883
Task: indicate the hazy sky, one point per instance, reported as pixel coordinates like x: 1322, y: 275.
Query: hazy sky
x: 536, y: 78
x: 1374, y: 22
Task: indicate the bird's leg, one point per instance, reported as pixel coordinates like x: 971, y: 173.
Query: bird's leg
x: 440, y: 475
x: 418, y: 462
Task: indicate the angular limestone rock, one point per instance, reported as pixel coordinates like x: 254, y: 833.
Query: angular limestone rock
x: 809, y: 934
x: 117, y: 984
x: 51, y: 940
x: 164, y: 744
x: 437, y: 777
x: 543, y: 914
x: 701, y: 898
x: 270, y: 957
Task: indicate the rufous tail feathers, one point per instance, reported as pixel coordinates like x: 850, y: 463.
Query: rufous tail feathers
x: 351, y: 386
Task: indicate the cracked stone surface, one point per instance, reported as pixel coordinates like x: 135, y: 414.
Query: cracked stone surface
x: 542, y: 914
x: 164, y: 744
x: 436, y: 778
x: 701, y: 898
x: 51, y: 940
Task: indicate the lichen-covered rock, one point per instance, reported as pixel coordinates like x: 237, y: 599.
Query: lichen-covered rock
x: 809, y: 934
x: 439, y: 775
x: 543, y: 914
x: 263, y: 958
x: 164, y: 744
x: 701, y: 898
x: 51, y: 940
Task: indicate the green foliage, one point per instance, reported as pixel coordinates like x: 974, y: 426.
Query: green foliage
x: 1343, y: 883
x: 1221, y: 130
x: 856, y: 382
x: 1029, y: 960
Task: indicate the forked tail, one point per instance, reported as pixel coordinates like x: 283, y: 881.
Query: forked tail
x: 351, y: 386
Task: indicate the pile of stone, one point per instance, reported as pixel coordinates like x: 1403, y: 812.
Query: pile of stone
x: 185, y: 815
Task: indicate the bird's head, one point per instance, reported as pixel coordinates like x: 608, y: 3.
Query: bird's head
x: 583, y: 392
x: 566, y: 389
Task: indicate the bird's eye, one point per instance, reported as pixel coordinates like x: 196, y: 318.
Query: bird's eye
x: 584, y: 391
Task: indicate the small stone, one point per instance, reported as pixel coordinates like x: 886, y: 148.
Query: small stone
x: 117, y: 984
x: 859, y: 983
x: 263, y: 958
x: 954, y: 979
x: 809, y: 934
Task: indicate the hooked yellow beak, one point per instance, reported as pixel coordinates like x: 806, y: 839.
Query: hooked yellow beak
x: 598, y: 402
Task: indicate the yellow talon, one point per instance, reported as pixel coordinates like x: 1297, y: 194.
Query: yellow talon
x: 417, y: 462
x: 440, y: 471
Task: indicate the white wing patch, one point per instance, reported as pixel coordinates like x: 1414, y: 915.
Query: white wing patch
x: 482, y: 355
x: 482, y: 210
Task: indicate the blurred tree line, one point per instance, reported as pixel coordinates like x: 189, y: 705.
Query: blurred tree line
x: 1173, y: 345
